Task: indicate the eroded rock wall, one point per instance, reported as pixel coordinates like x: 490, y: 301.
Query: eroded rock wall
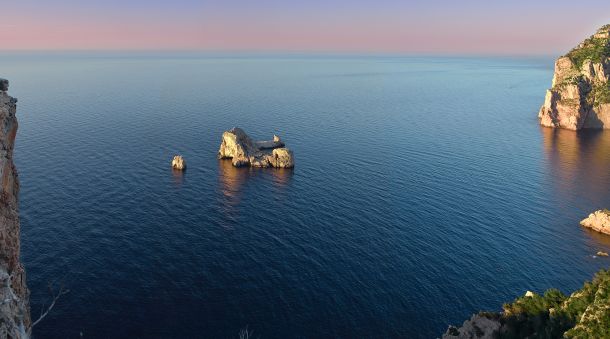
x: 15, y: 319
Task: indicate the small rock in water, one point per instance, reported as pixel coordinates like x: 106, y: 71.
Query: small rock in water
x: 598, y: 221
x: 178, y: 162
x: 529, y: 294
x: 602, y: 254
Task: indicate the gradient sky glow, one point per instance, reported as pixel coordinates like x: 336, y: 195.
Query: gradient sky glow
x: 368, y: 26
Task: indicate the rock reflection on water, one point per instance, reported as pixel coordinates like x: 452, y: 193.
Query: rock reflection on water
x: 579, y: 163
x: 233, y: 182
x: 281, y: 178
x: 578, y: 166
x: 178, y: 177
x: 598, y: 241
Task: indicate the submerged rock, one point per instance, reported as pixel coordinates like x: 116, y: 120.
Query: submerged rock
x: 598, y: 221
x: 178, y: 162
x: 243, y: 151
x: 580, y: 93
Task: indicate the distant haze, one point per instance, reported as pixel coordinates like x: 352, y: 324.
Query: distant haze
x: 367, y: 26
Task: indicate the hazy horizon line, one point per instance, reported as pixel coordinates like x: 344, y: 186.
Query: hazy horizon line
x: 277, y: 52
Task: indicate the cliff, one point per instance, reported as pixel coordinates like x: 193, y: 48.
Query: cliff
x: 244, y: 151
x: 583, y: 314
x: 14, y: 296
x: 580, y: 93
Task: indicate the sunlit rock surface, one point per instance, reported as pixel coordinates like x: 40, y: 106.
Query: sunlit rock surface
x: 580, y: 93
x: 178, y: 163
x: 14, y: 295
x: 243, y: 151
x: 598, y: 221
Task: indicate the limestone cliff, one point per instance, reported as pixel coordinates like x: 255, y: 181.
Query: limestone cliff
x: 243, y: 151
x: 14, y: 305
x: 583, y: 314
x: 580, y: 93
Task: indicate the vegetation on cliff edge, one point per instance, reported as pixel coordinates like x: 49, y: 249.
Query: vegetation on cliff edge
x: 594, y: 49
x: 583, y: 314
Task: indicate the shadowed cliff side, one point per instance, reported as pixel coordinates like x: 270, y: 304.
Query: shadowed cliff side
x: 15, y: 319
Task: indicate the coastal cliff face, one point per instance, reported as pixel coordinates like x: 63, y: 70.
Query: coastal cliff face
x: 243, y: 151
x: 14, y: 296
x: 580, y: 93
x: 583, y: 314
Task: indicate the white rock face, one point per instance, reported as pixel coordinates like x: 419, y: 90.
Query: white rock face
x: 598, y: 221
x: 178, y: 163
x: 243, y: 151
x: 282, y: 158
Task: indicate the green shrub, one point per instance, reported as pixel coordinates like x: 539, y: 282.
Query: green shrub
x: 555, y: 315
x: 593, y: 49
x: 602, y: 94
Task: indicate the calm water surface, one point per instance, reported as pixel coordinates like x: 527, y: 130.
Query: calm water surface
x: 424, y: 191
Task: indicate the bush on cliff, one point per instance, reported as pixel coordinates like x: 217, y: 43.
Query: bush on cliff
x: 594, y: 49
x: 583, y: 314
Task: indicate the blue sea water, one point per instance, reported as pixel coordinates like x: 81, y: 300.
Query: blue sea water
x: 424, y: 190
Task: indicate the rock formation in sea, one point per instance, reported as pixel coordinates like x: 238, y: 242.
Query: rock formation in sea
x: 580, y: 93
x: 583, y: 314
x: 244, y: 151
x: 15, y: 319
x: 178, y: 163
x: 598, y: 221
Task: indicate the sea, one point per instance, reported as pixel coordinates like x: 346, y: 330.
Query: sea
x: 424, y: 191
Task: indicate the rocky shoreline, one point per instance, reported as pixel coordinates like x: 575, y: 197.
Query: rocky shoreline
x: 578, y: 99
x: 582, y: 314
x: 15, y: 319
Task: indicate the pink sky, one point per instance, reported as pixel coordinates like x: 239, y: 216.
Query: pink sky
x: 471, y: 27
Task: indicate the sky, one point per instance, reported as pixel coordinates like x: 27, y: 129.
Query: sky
x: 516, y: 27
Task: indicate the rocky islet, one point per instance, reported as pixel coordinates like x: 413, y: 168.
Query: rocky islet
x: 243, y: 151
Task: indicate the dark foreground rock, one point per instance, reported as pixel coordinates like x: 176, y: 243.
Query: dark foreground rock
x: 15, y: 319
